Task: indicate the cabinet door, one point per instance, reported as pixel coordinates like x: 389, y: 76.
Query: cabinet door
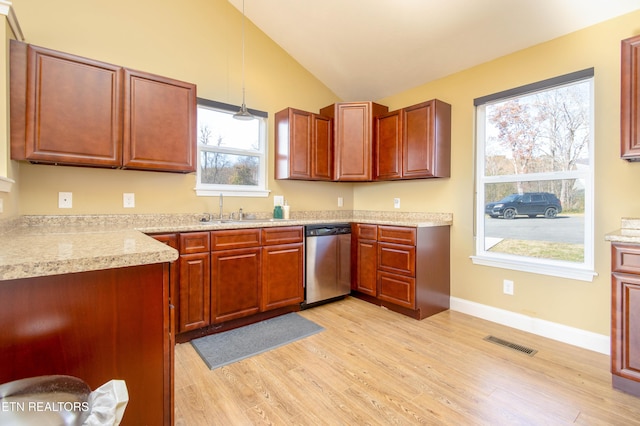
x: 72, y: 112
x: 194, y: 288
x: 282, y: 276
x: 625, y: 327
x: 397, y: 289
x: 353, y: 142
x: 322, y: 148
x: 159, y: 123
x: 629, y: 100
x: 426, y: 143
x: 174, y: 273
x: 366, y: 267
x: 389, y: 146
x: 235, y: 283
x: 304, y: 145
x: 293, y: 144
x: 353, y: 138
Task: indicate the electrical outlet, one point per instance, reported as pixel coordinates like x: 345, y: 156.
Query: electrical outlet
x: 396, y: 203
x: 65, y: 200
x: 1, y: 205
x: 278, y: 200
x: 128, y: 200
x: 507, y: 287
x: 340, y: 201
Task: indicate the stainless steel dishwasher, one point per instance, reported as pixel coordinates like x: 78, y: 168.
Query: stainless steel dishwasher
x: 328, y: 263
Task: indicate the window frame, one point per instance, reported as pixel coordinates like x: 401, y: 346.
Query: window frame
x: 215, y: 190
x: 579, y: 271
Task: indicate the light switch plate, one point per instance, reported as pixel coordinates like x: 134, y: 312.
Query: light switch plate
x: 65, y: 200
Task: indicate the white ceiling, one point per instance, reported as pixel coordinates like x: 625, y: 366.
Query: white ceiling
x: 370, y: 49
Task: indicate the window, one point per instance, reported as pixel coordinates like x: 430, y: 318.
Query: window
x: 534, y: 178
x: 231, y: 153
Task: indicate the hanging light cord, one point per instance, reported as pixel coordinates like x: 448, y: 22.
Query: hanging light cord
x: 243, y: 114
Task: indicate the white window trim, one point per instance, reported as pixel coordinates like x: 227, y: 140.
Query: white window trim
x: 260, y: 190
x: 584, y: 271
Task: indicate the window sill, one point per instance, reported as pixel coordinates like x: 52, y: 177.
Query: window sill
x: 232, y: 193
x: 562, y: 271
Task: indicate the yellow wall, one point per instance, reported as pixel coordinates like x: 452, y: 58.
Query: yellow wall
x: 199, y: 41
x: 584, y: 305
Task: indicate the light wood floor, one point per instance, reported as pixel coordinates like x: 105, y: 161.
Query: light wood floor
x: 372, y: 366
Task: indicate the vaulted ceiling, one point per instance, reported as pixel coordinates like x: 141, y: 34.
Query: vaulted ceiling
x: 370, y: 49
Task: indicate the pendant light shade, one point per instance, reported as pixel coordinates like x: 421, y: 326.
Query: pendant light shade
x: 243, y: 114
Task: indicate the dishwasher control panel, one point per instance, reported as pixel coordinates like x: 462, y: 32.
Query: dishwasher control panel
x: 327, y: 229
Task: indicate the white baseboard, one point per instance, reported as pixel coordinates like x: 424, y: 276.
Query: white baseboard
x: 573, y: 336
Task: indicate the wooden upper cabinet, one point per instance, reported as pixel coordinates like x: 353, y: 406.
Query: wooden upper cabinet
x: 64, y: 109
x: 426, y: 140
x: 322, y: 152
x: 389, y: 146
x: 354, y: 134
x: 71, y: 110
x: 629, y: 100
x: 304, y: 147
x: 414, y: 142
x: 159, y: 123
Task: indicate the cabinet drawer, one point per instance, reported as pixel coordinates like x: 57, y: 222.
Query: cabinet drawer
x: 366, y: 232
x: 397, y: 289
x: 169, y: 239
x: 282, y: 235
x: 625, y: 258
x: 194, y: 242
x: 235, y: 238
x: 397, y: 259
x: 397, y: 235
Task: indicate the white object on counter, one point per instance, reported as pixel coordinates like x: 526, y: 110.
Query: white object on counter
x: 285, y: 211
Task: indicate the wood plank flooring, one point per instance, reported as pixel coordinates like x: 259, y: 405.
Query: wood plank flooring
x: 371, y: 366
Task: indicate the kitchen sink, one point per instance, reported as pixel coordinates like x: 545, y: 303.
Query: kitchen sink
x: 221, y: 221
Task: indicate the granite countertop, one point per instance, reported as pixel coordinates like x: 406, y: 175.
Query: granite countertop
x: 33, y: 246
x: 629, y: 232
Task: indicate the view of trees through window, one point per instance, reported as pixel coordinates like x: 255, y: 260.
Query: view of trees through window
x: 229, y: 149
x: 536, y: 172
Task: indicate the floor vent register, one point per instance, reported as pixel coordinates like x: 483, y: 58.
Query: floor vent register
x: 511, y: 345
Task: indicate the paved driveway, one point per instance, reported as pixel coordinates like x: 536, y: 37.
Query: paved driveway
x: 564, y: 228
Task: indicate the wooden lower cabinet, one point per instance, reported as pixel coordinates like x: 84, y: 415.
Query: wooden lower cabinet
x: 97, y: 326
x: 625, y: 317
x: 235, y: 283
x: 193, y: 291
x: 405, y: 269
x: 282, y: 275
x: 193, y: 281
x: 232, y: 277
x: 365, y: 260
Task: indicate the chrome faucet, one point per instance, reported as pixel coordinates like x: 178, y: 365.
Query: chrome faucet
x: 221, y: 205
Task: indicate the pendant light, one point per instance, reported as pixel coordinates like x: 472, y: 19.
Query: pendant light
x: 243, y: 114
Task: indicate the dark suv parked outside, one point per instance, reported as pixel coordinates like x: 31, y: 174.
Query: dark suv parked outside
x: 530, y: 204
